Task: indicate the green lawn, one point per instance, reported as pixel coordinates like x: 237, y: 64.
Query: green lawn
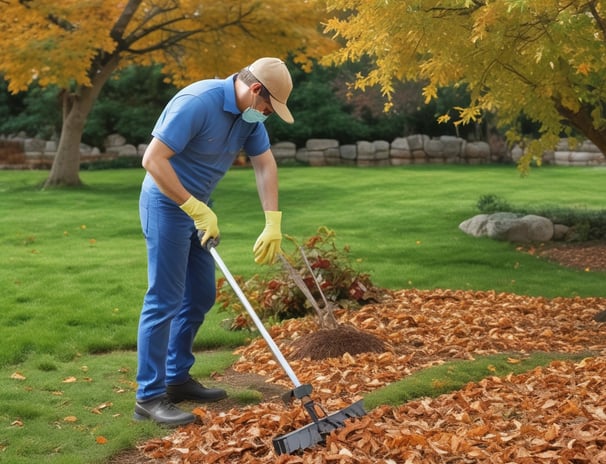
x: 73, y: 275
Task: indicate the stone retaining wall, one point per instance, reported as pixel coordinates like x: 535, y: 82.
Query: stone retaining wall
x: 414, y: 149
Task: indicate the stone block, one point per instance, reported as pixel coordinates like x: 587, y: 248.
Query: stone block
x: 321, y: 144
x: 366, y: 150
x: 400, y: 161
x: 34, y: 145
x: 452, y: 146
x: 301, y: 156
x: 381, y: 149
x: 477, y: 150
x: 114, y: 140
x: 316, y: 158
x: 417, y: 142
x: 284, y: 150
x: 399, y: 148
x: 434, y: 148
x: 348, y: 152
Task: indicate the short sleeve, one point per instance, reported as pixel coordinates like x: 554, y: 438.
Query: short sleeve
x: 180, y: 121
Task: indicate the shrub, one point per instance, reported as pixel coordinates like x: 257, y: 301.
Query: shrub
x: 587, y: 224
x: 492, y: 204
x: 277, y: 297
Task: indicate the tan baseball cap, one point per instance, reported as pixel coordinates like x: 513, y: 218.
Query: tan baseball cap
x: 274, y: 75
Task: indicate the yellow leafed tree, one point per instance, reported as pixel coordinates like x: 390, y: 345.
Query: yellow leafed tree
x: 78, y: 44
x: 541, y: 58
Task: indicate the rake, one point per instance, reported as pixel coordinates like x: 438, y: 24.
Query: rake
x: 322, y: 423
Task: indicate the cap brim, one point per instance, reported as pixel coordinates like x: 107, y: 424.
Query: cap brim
x: 281, y: 110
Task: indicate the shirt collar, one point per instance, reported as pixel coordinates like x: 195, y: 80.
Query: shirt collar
x: 229, y: 90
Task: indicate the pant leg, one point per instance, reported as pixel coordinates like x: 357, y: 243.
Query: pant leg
x: 167, y: 232
x: 200, y: 293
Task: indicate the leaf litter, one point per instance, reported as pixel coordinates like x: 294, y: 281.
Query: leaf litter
x: 549, y: 414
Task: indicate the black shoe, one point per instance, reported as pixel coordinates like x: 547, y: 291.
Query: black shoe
x: 193, y: 390
x: 162, y: 411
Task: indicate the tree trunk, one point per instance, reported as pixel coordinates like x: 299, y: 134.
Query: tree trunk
x: 582, y: 121
x: 65, y: 171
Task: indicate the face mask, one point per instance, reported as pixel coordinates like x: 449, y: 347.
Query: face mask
x: 252, y: 115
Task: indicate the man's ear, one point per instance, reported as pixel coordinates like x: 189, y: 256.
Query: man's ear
x: 256, y: 88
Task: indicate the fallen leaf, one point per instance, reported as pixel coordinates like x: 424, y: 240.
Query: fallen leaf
x: 549, y: 414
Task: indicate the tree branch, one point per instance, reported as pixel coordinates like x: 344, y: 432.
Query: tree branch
x: 601, y: 22
x: 175, y: 36
x: 117, y: 31
x: 461, y: 11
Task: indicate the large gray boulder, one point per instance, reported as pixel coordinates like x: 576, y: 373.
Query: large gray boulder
x: 484, y: 225
x: 509, y: 227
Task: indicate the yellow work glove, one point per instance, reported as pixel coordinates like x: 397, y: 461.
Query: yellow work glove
x: 268, y: 244
x: 204, y: 218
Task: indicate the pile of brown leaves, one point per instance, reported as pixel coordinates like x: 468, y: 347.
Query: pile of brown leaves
x: 553, y: 414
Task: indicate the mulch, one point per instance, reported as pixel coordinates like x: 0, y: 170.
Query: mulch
x: 586, y: 256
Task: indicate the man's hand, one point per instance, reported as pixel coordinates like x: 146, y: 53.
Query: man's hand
x: 204, y: 218
x: 268, y: 244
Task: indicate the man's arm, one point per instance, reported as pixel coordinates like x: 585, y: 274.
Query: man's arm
x: 155, y: 161
x: 266, y: 175
x: 268, y: 244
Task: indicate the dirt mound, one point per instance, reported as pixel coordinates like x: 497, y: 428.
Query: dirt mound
x: 334, y: 343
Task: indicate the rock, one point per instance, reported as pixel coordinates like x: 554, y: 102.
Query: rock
x: 530, y: 228
x: 128, y: 150
x: 34, y: 145
x: 381, y: 149
x: 417, y: 142
x: 477, y: 150
x: 366, y: 150
x: 321, y: 144
x: 452, y: 146
x: 498, y: 225
x: 516, y: 153
x: 434, y: 148
x: 475, y: 226
x: 560, y: 232
x: 509, y: 227
x: 284, y: 150
x: 348, y: 151
x: 301, y: 155
x: 400, y: 148
x: 114, y: 140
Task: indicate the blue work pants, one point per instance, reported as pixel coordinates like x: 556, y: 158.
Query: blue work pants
x: 181, y: 290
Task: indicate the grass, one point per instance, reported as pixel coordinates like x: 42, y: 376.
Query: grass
x: 73, y: 276
x: 453, y: 375
x: 78, y: 410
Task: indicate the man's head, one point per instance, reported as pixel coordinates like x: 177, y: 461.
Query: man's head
x: 275, y: 79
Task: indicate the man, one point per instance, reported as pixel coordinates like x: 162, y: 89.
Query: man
x: 195, y: 141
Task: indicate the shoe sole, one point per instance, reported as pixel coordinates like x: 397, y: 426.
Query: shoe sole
x: 176, y: 400
x: 141, y: 418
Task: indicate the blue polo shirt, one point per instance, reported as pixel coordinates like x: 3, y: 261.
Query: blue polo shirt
x: 205, y: 129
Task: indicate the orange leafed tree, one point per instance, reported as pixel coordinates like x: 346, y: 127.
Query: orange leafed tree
x: 78, y: 44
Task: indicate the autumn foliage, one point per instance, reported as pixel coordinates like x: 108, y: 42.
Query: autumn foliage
x: 551, y: 414
x: 542, y: 59
x: 78, y: 44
